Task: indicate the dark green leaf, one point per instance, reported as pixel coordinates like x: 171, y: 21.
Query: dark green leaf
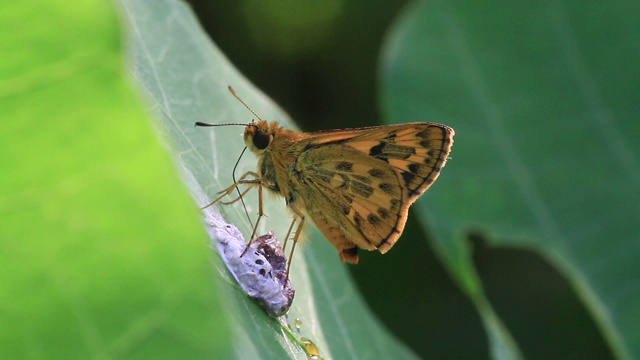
x: 544, y: 100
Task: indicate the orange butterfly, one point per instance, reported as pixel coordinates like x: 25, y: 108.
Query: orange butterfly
x: 356, y: 185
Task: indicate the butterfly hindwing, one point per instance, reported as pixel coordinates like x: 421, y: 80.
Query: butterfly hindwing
x: 372, y: 176
x: 365, y: 208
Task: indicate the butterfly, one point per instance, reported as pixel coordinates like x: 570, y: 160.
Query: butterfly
x: 356, y: 185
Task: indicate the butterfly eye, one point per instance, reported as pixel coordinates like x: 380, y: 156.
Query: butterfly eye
x: 261, y: 140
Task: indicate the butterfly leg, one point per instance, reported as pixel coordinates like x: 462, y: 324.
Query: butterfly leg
x: 237, y: 198
x: 286, y: 238
x: 260, y: 215
x: 240, y: 197
x: 243, y: 180
x: 293, y: 247
x: 298, y: 217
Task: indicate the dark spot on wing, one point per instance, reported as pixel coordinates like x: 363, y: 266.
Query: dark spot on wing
x: 395, y: 205
x: 373, y: 219
x: 377, y: 150
x: 358, y: 219
x: 376, y: 173
x: 423, y: 134
x: 362, y: 190
x: 391, y: 134
x: 344, y: 166
x: 408, y: 178
x: 386, y: 150
x: 415, y: 168
x: 384, y: 213
x: 386, y: 187
x: 344, y: 207
x: 324, y: 176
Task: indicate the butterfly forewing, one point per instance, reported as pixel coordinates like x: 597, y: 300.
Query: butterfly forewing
x: 417, y: 151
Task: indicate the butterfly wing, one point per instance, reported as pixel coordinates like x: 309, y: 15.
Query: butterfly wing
x: 358, y: 184
x: 346, y: 203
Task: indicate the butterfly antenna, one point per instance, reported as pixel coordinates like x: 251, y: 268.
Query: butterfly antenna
x: 233, y: 92
x: 198, y: 123
x: 233, y: 174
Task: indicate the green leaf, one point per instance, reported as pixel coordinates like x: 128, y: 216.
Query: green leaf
x: 102, y: 252
x: 185, y: 78
x: 544, y: 101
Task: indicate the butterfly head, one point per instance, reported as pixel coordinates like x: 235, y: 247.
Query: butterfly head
x: 258, y: 135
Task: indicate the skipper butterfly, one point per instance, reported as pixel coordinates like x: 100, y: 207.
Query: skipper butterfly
x: 356, y: 185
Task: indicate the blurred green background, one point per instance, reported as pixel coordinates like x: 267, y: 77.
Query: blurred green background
x: 84, y: 168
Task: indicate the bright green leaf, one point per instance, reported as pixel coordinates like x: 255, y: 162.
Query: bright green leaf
x: 102, y: 254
